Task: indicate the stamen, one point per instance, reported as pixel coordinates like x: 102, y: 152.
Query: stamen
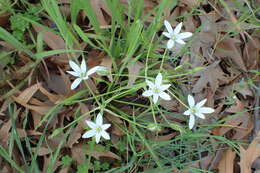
x: 156, y: 90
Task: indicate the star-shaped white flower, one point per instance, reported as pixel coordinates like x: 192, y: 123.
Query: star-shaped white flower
x: 98, y: 129
x: 196, y: 110
x: 175, y: 35
x: 157, y: 89
x: 81, y: 72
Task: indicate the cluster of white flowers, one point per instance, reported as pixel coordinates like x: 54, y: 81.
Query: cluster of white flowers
x: 156, y: 89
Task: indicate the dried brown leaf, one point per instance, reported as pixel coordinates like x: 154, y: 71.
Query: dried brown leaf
x: 248, y: 156
x: 27, y: 94
x: 107, y: 62
x: 53, y: 40
x: 251, y: 53
x: 75, y: 135
x: 98, y: 6
x: 4, y: 131
x: 42, y: 151
x: 242, y: 124
x: 211, y: 75
x: 227, y: 162
x: 97, y: 154
x: 191, y: 3
x: 39, y: 109
x: 133, y: 71
x: 228, y: 48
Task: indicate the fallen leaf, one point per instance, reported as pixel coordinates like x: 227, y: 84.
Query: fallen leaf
x: 42, y: 151
x: 39, y: 109
x: 98, y: 6
x: 248, y: 156
x: 27, y: 94
x: 191, y: 3
x: 54, y: 41
x: 241, y: 124
x: 226, y: 164
x: 211, y: 75
x: 243, y: 88
x: 133, y: 71
x: 228, y: 48
x: 4, y: 131
x: 251, y: 53
x: 56, y: 84
x: 107, y: 62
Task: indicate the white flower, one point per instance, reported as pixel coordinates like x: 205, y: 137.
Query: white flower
x: 81, y: 72
x: 157, y: 89
x: 98, y: 129
x: 196, y: 110
x: 175, y: 35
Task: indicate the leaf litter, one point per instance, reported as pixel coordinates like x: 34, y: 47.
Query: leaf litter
x: 226, y: 48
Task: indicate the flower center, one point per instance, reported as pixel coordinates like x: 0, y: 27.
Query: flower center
x: 82, y: 75
x: 173, y: 37
x: 156, y: 90
x: 98, y: 129
x: 194, y: 110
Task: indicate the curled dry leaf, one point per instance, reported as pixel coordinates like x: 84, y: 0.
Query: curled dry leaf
x: 39, y: 109
x: 27, y: 94
x: 249, y: 155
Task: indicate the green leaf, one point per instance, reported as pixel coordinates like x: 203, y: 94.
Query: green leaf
x: 66, y: 160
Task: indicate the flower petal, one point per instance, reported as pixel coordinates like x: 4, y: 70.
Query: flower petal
x: 165, y: 87
x: 91, y: 124
x: 165, y: 96
x: 158, y: 80
x: 150, y: 84
x: 105, y: 126
x: 168, y: 26
x: 105, y: 135
x: 99, y: 120
x: 74, y: 66
x: 94, y: 70
x: 187, y: 112
x: 200, y: 115
x: 177, y: 29
x: 191, y: 100
x: 206, y: 110
x: 147, y: 93
x: 73, y: 73
x: 184, y: 35
x: 98, y: 136
x: 155, y: 98
x: 75, y: 83
x: 83, y: 66
x: 191, y: 121
x: 89, y: 134
x: 201, y: 103
x: 170, y: 44
x: 180, y: 41
x: 166, y: 34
